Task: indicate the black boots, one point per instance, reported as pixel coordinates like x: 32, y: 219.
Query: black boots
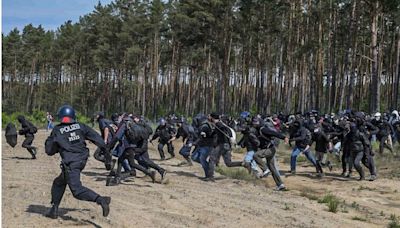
x: 33, y: 152
x: 104, y: 202
x: 53, y: 212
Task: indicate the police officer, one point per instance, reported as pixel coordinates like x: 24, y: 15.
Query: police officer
x: 187, y: 132
x: 385, y: 130
x: 130, y: 144
x: 204, y: 145
x: 28, y: 130
x: 166, y: 133
x: 68, y: 139
x: 104, y: 126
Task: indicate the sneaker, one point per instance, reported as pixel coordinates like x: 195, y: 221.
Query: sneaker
x: 293, y: 172
x: 104, y: 202
x: 34, y: 152
x: 361, y: 178
x: 372, y: 178
x: 280, y: 188
x: 52, y: 212
x: 163, y: 175
x: 209, y: 179
x: 265, y: 173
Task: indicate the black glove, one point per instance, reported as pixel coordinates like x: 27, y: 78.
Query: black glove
x: 21, y: 132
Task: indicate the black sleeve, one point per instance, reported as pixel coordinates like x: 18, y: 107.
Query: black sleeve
x: 324, y: 135
x: 365, y: 141
x: 51, y: 146
x: 372, y: 128
x: 268, y: 132
x: 254, y: 140
x: 93, y: 136
x: 391, y: 129
x: 301, y: 137
x: 156, y: 134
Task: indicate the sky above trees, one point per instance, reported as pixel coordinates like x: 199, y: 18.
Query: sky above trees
x: 48, y: 13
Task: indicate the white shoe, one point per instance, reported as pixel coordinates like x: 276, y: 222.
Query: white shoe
x: 265, y: 173
x: 281, y: 188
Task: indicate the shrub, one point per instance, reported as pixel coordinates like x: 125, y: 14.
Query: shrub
x: 235, y: 173
x: 394, y: 222
x: 332, y: 202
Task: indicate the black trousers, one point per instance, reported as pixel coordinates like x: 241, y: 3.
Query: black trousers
x: 145, y: 161
x: 130, y: 155
x: 71, y: 176
x: 170, y: 149
x: 27, y: 143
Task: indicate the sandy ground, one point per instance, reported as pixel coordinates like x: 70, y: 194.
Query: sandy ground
x: 187, y: 201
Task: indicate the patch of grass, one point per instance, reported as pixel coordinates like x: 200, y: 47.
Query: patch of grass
x: 359, y: 219
x: 286, y: 208
x: 235, y: 173
x: 332, y: 202
x: 394, y: 221
x: 355, y: 205
x: 301, y: 159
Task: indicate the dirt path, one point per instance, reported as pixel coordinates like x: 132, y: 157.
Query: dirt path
x: 186, y: 201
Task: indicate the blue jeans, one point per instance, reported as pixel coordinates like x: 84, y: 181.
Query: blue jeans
x: 50, y: 125
x: 200, y: 155
x: 293, y: 158
x: 248, y: 158
x: 117, y: 152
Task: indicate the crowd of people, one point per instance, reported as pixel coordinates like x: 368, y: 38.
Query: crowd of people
x: 124, y: 139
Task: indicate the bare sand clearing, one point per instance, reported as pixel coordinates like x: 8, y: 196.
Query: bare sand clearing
x: 187, y: 201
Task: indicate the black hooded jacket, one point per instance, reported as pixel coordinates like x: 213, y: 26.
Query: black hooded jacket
x: 301, y: 136
x: 27, y: 128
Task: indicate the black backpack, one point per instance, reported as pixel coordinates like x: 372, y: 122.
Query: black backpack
x: 136, y: 132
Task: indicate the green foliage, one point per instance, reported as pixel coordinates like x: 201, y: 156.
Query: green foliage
x: 182, y: 56
x: 332, y: 202
x: 37, y: 117
x: 82, y: 119
x: 235, y: 173
x: 359, y: 219
x: 394, y: 221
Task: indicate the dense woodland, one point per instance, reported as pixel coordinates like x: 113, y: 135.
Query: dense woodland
x: 190, y: 56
